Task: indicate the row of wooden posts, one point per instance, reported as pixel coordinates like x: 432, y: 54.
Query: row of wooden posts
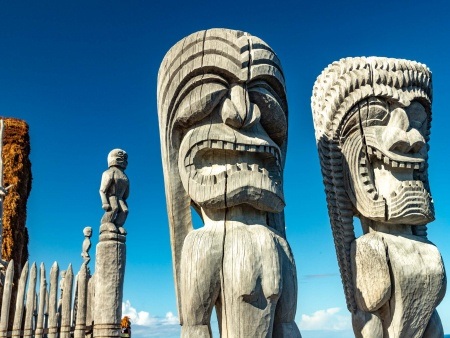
x: 27, y: 312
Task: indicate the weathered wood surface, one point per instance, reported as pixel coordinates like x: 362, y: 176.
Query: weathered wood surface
x: 31, y: 311
x: 223, y: 123
x: 372, y: 121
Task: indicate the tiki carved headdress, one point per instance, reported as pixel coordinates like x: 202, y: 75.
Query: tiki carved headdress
x: 202, y: 72
x: 372, y: 120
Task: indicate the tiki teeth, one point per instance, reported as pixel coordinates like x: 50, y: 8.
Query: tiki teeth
x: 243, y: 166
x: 254, y: 167
x: 401, y: 164
x: 240, y: 147
x: 394, y: 164
x: 408, y: 165
x: 386, y: 159
x: 369, y: 150
x: 416, y: 166
x: 221, y: 176
x: 379, y: 154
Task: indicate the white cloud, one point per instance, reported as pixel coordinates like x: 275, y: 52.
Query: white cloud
x: 329, y: 319
x: 143, y: 324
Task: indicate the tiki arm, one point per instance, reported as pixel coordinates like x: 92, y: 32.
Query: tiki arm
x: 370, y: 270
x: 107, y: 179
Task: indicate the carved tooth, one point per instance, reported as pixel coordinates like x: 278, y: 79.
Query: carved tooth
x: 240, y: 147
x: 264, y: 171
x: 369, y: 150
x: 394, y: 164
x: 242, y: 166
x: 228, y: 145
x: 401, y: 164
x: 233, y: 169
x: 379, y: 154
x: 221, y: 176
x: 254, y: 167
x: 386, y: 159
x: 408, y: 165
x: 272, y: 151
x: 220, y: 144
x: 416, y: 166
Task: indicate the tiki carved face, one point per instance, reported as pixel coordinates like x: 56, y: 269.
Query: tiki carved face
x: 118, y: 157
x: 385, y: 152
x: 232, y: 154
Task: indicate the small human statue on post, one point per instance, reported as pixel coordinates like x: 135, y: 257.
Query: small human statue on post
x: 114, y: 190
x: 87, y: 232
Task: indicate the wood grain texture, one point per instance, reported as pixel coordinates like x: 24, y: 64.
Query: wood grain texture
x: 223, y: 124
x: 372, y: 121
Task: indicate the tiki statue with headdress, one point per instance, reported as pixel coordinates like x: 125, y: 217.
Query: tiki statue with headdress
x: 223, y: 123
x: 372, y: 120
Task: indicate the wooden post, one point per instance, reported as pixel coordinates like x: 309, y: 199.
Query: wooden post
x: 41, y: 308
x: 80, y: 319
x: 66, y: 303
x: 31, y: 297
x: 7, y: 291
x: 109, y: 277
x: 18, y: 315
x: 53, y: 302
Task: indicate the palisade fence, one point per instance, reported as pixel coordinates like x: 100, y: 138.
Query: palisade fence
x: 33, y: 309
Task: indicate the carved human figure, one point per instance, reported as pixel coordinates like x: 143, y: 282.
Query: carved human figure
x: 223, y: 123
x: 114, y: 191
x: 372, y: 120
x: 87, y: 232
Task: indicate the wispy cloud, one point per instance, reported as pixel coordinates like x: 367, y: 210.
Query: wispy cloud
x: 320, y: 276
x: 329, y: 319
x: 144, y: 324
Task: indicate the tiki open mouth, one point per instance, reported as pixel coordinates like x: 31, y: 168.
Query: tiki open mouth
x: 211, y: 161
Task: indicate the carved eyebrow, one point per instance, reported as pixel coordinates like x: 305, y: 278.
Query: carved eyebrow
x: 195, y: 82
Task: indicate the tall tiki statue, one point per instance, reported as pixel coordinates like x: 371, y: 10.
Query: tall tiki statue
x: 223, y: 122
x: 372, y: 120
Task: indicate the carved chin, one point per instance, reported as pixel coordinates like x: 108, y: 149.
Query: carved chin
x: 386, y: 190
x: 219, y: 174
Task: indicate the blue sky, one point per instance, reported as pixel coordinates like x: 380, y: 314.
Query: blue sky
x: 83, y: 75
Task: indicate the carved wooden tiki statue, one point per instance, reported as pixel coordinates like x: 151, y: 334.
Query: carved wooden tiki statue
x: 223, y: 123
x: 372, y: 120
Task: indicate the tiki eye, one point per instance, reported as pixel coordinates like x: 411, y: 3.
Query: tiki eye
x: 375, y: 114
x: 273, y: 116
x: 417, y: 115
x: 199, y: 97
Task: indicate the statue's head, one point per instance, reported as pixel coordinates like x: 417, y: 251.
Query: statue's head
x: 377, y: 112
x: 372, y: 120
x: 223, y: 125
x: 223, y: 120
x: 118, y: 157
x: 87, y: 231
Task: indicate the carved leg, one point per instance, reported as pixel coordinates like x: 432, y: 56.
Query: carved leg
x: 251, y: 282
x: 367, y: 325
x: 200, y: 280
x: 284, y: 325
x: 434, y: 328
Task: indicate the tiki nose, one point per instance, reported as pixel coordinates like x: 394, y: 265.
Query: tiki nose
x: 401, y: 136
x: 237, y: 110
